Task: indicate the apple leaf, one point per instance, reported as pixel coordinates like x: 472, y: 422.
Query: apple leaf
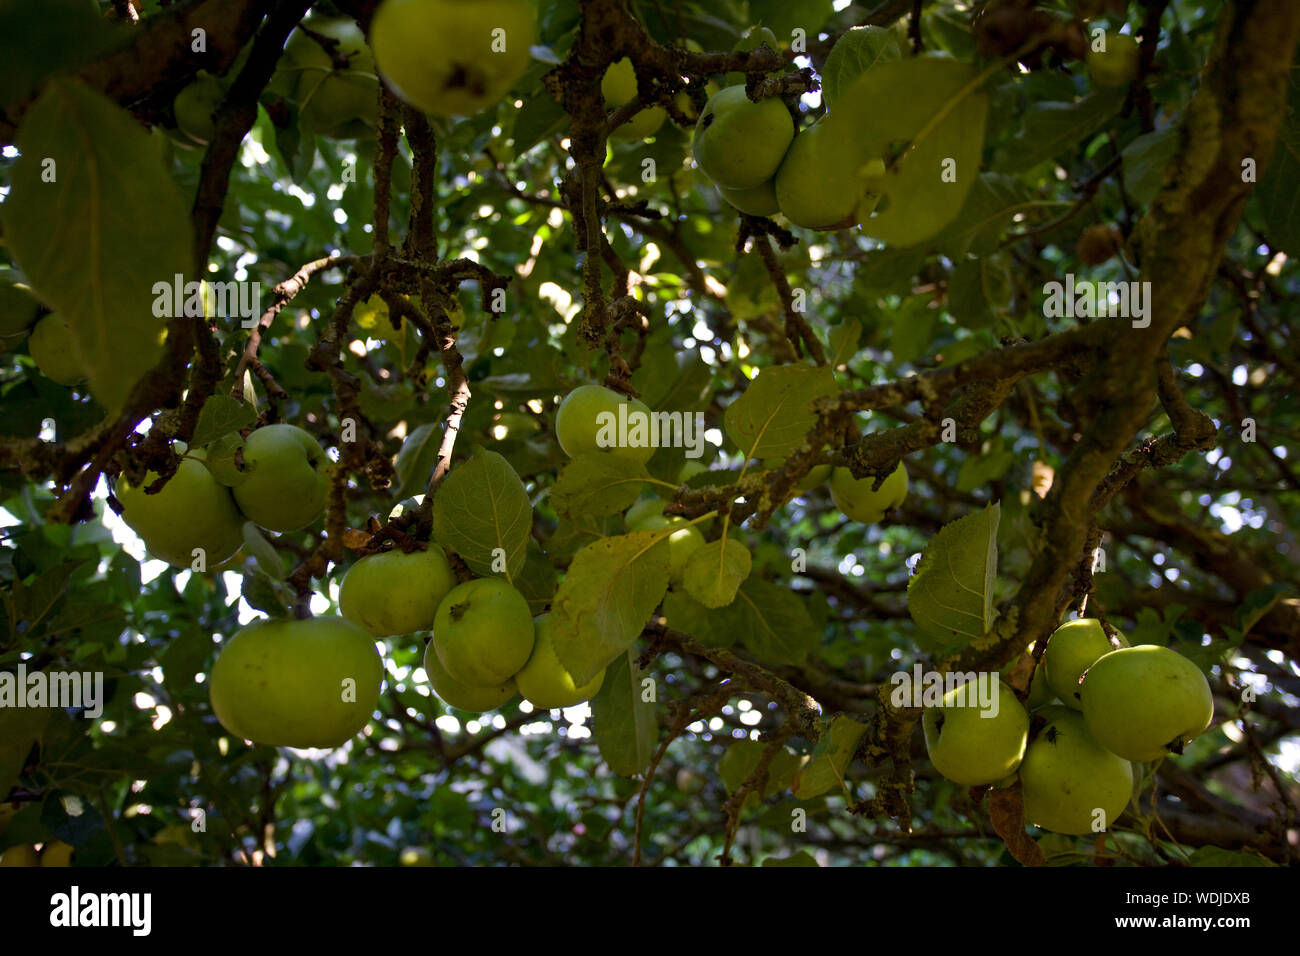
x: 742, y: 759
x: 1218, y: 856
x: 773, y: 416
x: 689, y: 616
x: 772, y: 621
x: 20, y: 727
x: 221, y: 414
x: 416, y: 460
x: 219, y: 458
x: 596, y: 484
x: 942, y: 127
x: 610, y: 590
x: 802, y: 858
x: 622, y: 721
x: 715, y: 571
x: 950, y: 595
x: 975, y: 291
x: 1051, y: 128
x: 855, y: 52
x: 784, y: 16
x: 1007, y: 814
x: 73, y: 222
x: 1145, y: 162
x: 1278, y: 192
x: 537, y: 582
x: 268, y: 559
x: 844, y: 340
x: 482, y: 509
x: 989, y: 210
x: 830, y: 760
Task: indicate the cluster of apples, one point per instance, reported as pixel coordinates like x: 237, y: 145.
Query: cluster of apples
x: 1118, y: 705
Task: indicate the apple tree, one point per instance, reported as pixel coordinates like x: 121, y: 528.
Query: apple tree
x: 621, y: 432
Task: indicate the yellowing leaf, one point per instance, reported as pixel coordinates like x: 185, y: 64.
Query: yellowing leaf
x: 772, y: 418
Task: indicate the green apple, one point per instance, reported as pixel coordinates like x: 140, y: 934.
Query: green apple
x: 739, y: 144
x: 758, y: 200
x: 394, y: 593
x: 286, y: 478
x: 416, y: 856
x: 544, y: 682
x: 291, y: 683
x: 57, y: 853
x: 684, y: 541
x: 192, y: 513
x: 20, y: 855
x: 618, y: 86
x: 1040, y: 691
x: 483, y: 632
x: 452, y: 57
x: 54, y: 350
x: 18, y: 309
x: 823, y: 183
x: 1072, y: 649
x: 854, y: 496
x: 195, y: 105
x: 1146, y: 701
x: 815, y: 478
x: 473, y: 698
x: 335, y: 102
x: 973, y: 746
x: 1117, y: 64
x: 588, y: 421
x: 1069, y: 782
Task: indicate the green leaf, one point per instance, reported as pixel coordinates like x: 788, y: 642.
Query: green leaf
x: 220, y: 459
x: 844, y: 340
x: 268, y: 559
x: 624, y: 724
x: 773, y: 416
x: 988, y: 212
x: 684, y: 613
x: 1278, y: 191
x: 20, y: 728
x: 537, y: 582
x: 888, y: 270
x: 605, y: 599
x: 913, y: 330
x: 416, y: 460
x: 538, y: 118
x: 772, y: 621
x: 950, y: 596
x: 975, y: 292
x: 1218, y: 856
x: 221, y: 414
x: 1258, y: 603
x: 783, y: 16
x: 802, y: 858
x: 598, y: 484
x: 742, y: 759
x: 264, y: 593
x: 978, y: 472
x: 854, y: 53
x: 481, y: 507
x: 831, y: 760
x: 1145, y: 161
x: 82, y: 239
x: 715, y: 570
x: 942, y: 128
x: 37, y: 40
x: 1052, y: 128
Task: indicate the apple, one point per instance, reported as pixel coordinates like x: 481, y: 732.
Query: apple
x: 1040, y: 691
x: 396, y: 593
x: 682, y: 542
x: 759, y: 200
x: 1117, y: 64
x: 292, y: 683
x: 618, y: 86
x: 1066, y: 777
x: 1146, y: 701
x: 483, y: 632
x: 1071, y: 650
x: 57, y: 853
x: 192, y: 512
x: 20, y: 856
x: 18, y: 309
x: 53, y: 348
x: 286, y: 478
x: 340, y: 103
x: 474, y: 698
x: 452, y: 57
x: 195, y: 105
x: 579, y: 426
x: 972, y: 749
x: 544, y: 682
x: 854, y: 496
x: 739, y: 144
x: 824, y: 183
x: 416, y: 856
x: 815, y: 478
